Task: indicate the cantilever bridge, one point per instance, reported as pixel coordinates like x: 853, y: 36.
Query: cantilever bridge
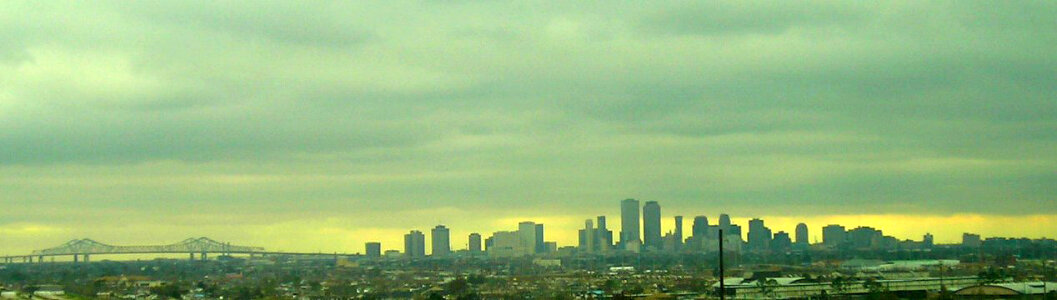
x: 203, y: 246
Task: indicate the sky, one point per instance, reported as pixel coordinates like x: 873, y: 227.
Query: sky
x: 318, y: 126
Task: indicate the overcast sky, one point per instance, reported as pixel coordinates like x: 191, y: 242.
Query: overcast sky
x: 321, y: 125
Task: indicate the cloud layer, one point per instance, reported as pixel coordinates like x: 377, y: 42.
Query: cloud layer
x: 258, y: 113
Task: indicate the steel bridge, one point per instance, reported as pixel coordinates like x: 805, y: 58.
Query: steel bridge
x: 84, y: 248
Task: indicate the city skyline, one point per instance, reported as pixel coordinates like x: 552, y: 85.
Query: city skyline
x: 319, y: 127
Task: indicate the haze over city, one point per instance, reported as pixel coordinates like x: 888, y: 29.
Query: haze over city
x: 322, y: 126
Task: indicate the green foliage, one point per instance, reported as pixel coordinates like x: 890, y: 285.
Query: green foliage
x: 168, y: 291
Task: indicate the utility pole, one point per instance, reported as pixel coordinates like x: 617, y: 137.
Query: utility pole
x: 722, y: 285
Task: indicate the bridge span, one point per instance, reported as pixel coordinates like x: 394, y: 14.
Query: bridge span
x: 82, y: 249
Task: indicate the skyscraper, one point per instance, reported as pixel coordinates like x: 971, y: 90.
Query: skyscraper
x: 801, y: 234
x: 651, y: 225
x: 678, y: 232
x: 833, y: 235
x: 604, y: 235
x: 475, y: 243
x: 724, y: 223
x: 414, y: 244
x: 441, y: 241
x: 589, y: 238
x: 527, y: 235
x: 540, y: 248
x: 781, y: 242
x: 629, y: 221
x: 373, y: 249
x: 699, y: 230
x: 759, y: 235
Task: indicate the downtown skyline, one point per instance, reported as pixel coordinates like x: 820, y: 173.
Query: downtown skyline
x: 319, y: 127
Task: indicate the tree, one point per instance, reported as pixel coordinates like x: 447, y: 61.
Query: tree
x: 839, y: 285
x: 767, y: 287
x: 872, y: 286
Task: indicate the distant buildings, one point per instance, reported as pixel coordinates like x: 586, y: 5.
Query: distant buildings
x: 474, y: 245
x: 833, y: 235
x: 781, y: 242
x: 373, y: 249
x: 441, y: 241
x: 864, y: 237
x: 801, y: 234
x: 678, y: 233
x: 759, y: 235
x: 603, y: 234
x: 414, y: 244
x: 970, y: 240
x: 596, y: 238
x: 629, y: 222
x: 651, y: 225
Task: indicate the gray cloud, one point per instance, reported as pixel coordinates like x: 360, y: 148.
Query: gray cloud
x: 279, y: 108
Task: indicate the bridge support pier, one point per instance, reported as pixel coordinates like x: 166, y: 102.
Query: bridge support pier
x: 75, y: 258
x: 205, y: 256
x: 40, y: 258
x: 86, y: 259
x: 192, y: 256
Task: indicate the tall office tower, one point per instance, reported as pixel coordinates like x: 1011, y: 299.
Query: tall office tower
x: 801, y: 234
x: 527, y: 234
x: 864, y: 237
x: 833, y: 235
x: 735, y: 230
x: 508, y: 244
x: 475, y: 243
x: 927, y: 240
x: 970, y: 240
x: 699, y: 230
x: 678, y: 232
x: 415, y: 244
x: 604, y: 235
x: 651, y: 225
x: 539, y: 239
x: 724, y: 223
x: 781, y: 242
x: 441, y: 241
x: 759, y: 235
x: 629, y: 221
x: 589, y: 238
x: 373, y: 249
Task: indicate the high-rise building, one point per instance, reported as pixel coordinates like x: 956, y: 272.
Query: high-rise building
x: 678, y: 234
x: 588, y: 240
x: 970, y: 240
x: 927, y: 240
x: 759, y: 235
x: 373, y: 249
x: 603, y: 234
x: 441, y: 241
x: 801, y: 234
x: 629, y: 221
x: 781, y: 242
x: 414, y: 244
x: 527, y: 234
x: 475, y: 243
x: 508, y: 244
x: 735, y: 232
x: 540, y: 248
x: 833, y: 235
x: 700, y: 228
x: 651, y: 225
x: 864, y: 237
x: 724, y: 223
